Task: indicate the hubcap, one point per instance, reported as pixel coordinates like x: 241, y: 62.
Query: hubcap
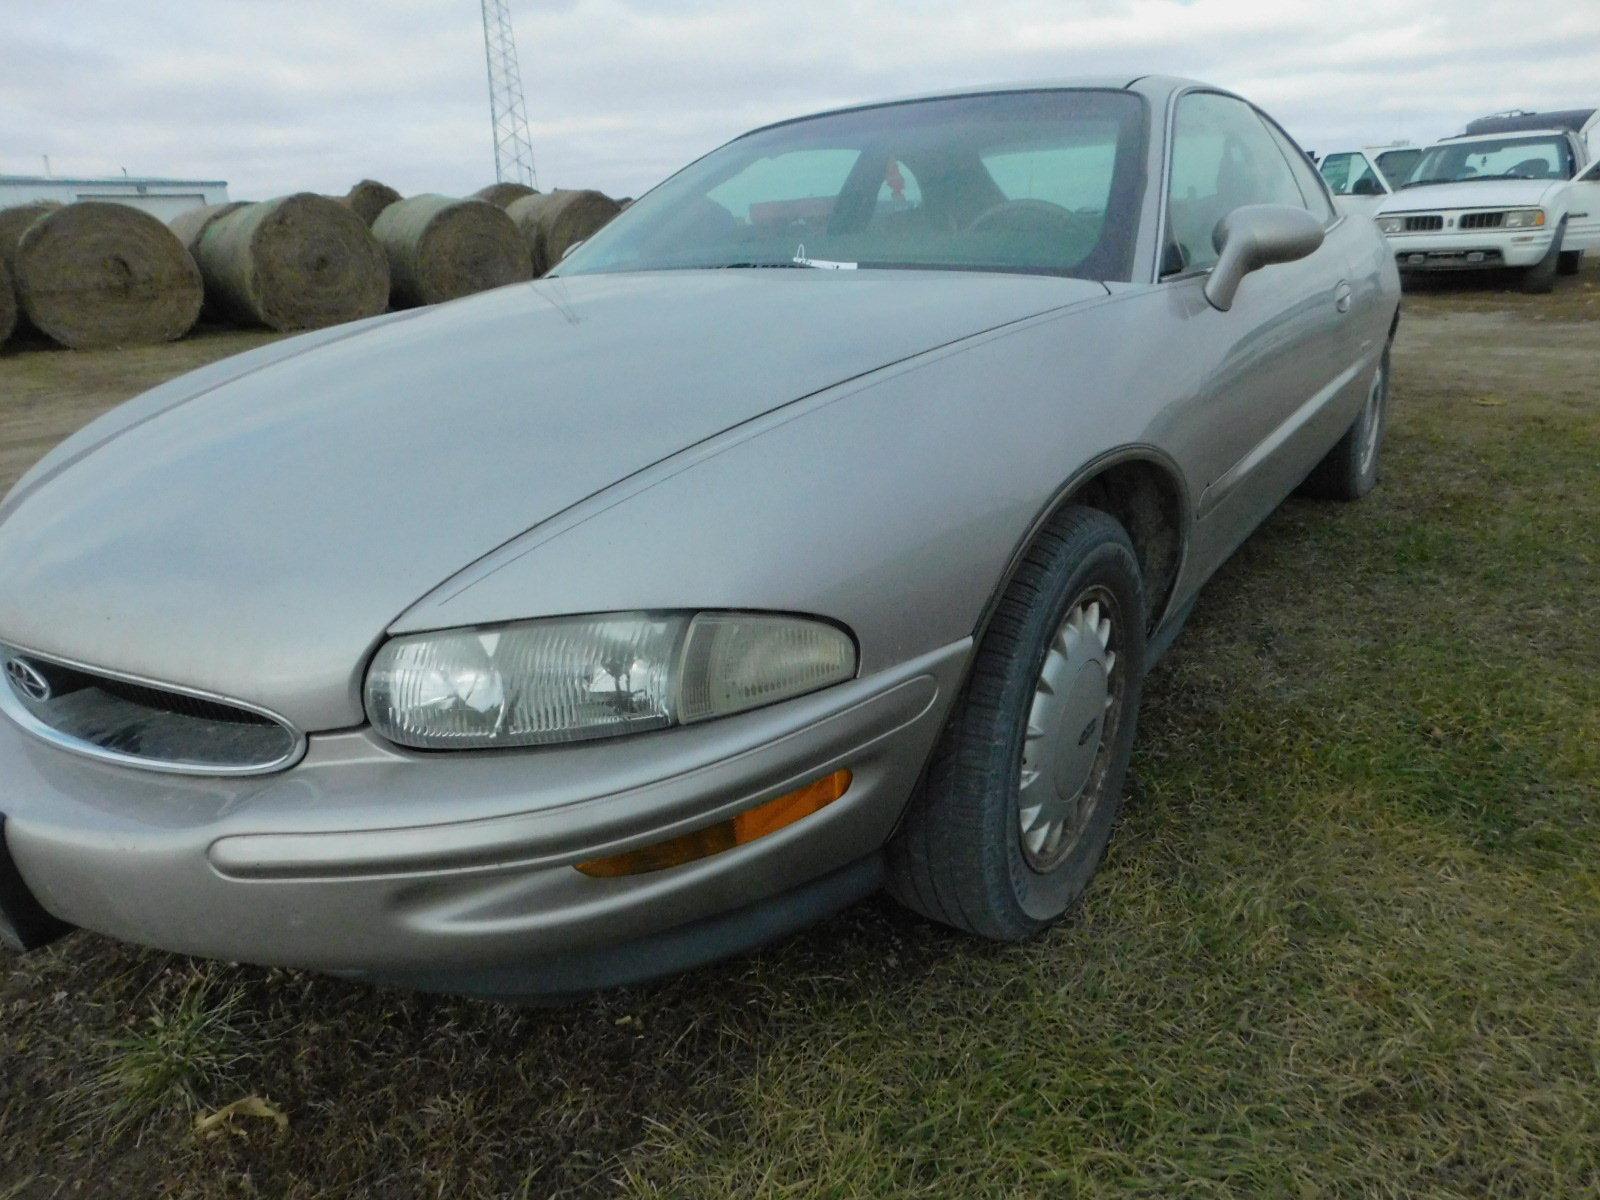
x: 1372, y: 421
x: 1070, y: 723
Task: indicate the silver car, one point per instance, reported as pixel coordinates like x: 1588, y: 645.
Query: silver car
x: 810, y: 529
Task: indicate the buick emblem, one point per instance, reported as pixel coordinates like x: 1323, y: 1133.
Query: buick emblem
x: 26, y: 679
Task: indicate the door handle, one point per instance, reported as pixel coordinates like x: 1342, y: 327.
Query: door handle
x: 1342, y: 295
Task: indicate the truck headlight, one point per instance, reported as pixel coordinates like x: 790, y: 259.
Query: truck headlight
x: 1524, y: 218
x: 1391, y: 224
x: 570, y: 679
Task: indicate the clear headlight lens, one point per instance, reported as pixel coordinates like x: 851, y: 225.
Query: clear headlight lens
x: 1524, y: 218
x: 569, y: 679
x: 1391, y: 224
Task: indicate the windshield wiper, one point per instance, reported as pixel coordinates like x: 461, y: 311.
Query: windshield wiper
x: 764, y: 266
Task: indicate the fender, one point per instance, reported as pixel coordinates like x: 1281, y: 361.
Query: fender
x: 1136, y: 452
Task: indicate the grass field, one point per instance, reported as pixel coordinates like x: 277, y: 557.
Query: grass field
x: 1347, y: 941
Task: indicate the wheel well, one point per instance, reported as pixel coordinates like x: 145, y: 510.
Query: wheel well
x: 1148, y: 502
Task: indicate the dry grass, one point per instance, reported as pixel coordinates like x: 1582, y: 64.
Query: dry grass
x: 1347, y: 941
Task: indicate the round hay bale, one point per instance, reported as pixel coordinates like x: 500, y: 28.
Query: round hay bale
x: 189, y: 226
x: 297, y: 262
x: 524, y: 214
x: 502, y: 194
x: 369, y: 198
x: 8, y: 305
x: 14, y: 222
x: 441, y: 248
x: 95, y: 274
x: 552, y: 223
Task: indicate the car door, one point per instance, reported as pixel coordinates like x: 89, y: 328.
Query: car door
x: 1351, y: 176
x: 1362, y: 305
x: 1583, y: 212
x: 1267, y: 368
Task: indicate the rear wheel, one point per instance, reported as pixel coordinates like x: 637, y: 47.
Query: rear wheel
x: 1350, y: 470
x: 1025, y: 785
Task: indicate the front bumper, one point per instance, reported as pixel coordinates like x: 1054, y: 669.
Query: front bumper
x: 455, y: 872
x: 1476, y: 250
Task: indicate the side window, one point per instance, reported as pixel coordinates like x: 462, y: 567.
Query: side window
x: 1076, y: 177
x: 1222, y: 159
x: 899, y: 191
x: 801, y: 185
x: 1313, y: 195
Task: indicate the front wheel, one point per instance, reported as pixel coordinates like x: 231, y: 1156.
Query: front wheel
x: 1024, y: 787
x: 1350, y: 470
x: 1540, y: 279
x: 1571, y: 262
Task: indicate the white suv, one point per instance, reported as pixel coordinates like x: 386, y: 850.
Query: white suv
x: 1507, y: 193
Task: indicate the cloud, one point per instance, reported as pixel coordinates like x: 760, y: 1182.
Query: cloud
x: 284, y: 95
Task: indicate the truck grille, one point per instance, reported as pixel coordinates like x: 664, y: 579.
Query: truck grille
x: 1424, y: 224
x: 144, y: 725
x: 1483, y: 220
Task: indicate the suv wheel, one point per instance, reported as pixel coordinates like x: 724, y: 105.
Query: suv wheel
x: 1540, y: 278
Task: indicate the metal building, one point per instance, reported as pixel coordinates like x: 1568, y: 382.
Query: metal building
x: 163, y: 198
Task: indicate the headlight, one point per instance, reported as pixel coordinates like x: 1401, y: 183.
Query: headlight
x: 1391, y: 224
x: 569, y: 679
x: 1524, y: 218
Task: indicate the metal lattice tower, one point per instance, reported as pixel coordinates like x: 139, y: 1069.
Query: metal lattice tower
x: 513, y: 148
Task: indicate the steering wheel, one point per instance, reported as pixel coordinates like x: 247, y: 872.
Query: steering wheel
x: 1038, y: 218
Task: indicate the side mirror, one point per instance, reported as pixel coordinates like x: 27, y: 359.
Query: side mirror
x: 1257, y: 236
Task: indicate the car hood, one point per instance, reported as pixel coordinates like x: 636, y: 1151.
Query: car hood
x: 1491, y: 193
x: 254, y: 532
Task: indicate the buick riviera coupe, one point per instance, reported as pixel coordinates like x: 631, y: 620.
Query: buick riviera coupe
x: 810, y: 529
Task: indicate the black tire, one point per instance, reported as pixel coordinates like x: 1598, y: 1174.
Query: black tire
x: 960, y: 856
x: 1350, y: 470
x: 1571, y: 262
x: 1540, y: 279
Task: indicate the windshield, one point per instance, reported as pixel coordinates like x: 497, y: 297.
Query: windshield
x: 1038, y: 182
x: 1546, y: 157
x: 1397, y: 165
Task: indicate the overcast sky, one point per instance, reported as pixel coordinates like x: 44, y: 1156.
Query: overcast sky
x: 287, y: 95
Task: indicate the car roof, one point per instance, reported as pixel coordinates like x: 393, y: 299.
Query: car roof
x: 1154, y: 87
x: 1501, y: 136
x: 1373, y: 151
x: 1574, y: 119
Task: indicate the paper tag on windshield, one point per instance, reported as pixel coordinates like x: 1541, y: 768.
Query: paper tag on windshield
x: 822, y: 264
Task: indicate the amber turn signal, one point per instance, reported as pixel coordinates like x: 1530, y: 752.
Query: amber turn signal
x: 714, y: 839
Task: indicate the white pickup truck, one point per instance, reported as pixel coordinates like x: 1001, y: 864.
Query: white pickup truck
x: 1518, y: 190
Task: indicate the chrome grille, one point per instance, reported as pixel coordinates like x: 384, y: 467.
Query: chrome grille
x: 140, y: 724
x: 1483, y: 220
x: 1424, y: 224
